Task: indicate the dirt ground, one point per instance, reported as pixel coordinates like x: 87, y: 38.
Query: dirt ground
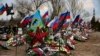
x: 19, y: 51
x: 89, y: 48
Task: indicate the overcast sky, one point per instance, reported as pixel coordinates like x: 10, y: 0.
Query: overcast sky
x: 89, y: 5
x: 97, y: 7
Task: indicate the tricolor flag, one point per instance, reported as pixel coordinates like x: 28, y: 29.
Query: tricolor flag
x: 36, y: 21
x: 26, y: 21
x: 2, y: 9
x: 66, y: 23
x: 55, y: 24
x: 51, y: 23
x: 76, y: 20
x: 68, y: 17
x: 62, y: 16
x: 62, y: 20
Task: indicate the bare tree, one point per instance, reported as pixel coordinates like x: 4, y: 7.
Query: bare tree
x: 75, y: 7
x: 37, y: 3
x: 56, y: 7
x: 24, y: 7
x: 85, y: 14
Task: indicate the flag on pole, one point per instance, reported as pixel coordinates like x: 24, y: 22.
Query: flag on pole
x: 68, y: 17
x: 55, y: 24
x: 26, y: 21
x: 46, y: 10
x: 62, y: 19
x: 51, y: 23
x: 36, y: 21
x: 62, y: 16
x: 76, y: 20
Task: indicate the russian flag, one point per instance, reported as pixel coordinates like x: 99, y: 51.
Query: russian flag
x: 62, y: 16
x: 68, y: 17
x: 65, y: 25
x: 62, y: 20
x: 65, y: 15
x: 55, y: 24
x: 51, y: 23
x: 2, y: 9
x: 26, y: 21
x: 76, y: 19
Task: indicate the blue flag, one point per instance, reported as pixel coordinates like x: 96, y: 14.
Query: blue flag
x: 36, y: 21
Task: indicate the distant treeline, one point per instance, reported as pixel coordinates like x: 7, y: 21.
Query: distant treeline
x: 95, y: 25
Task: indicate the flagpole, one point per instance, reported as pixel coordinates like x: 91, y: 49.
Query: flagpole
x: 16, y: 50
x: 59, y: 47
x: 16, y: 46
